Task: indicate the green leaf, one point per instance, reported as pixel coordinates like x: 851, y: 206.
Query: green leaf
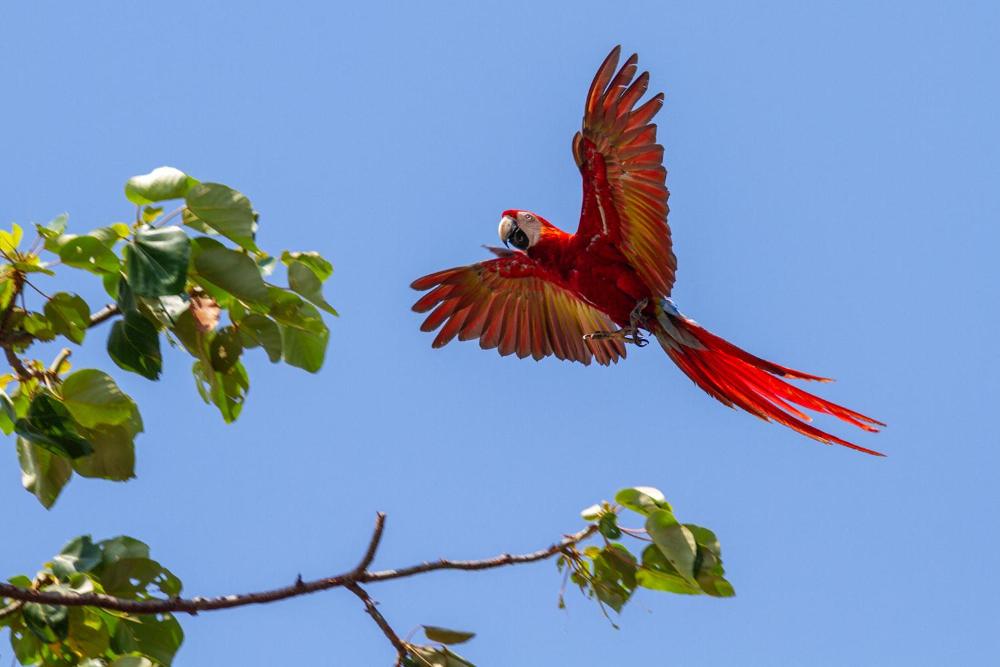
x: 158, y: 638
x: 227, y: 391
x: 123, y: 546
x: 226, y: 211
x: 321, y: 267
x: 93, y: 398
x: 433, y: 656
x: 304, y: 334
x: 114, y: 453
x: 48, y: 424
x: 157, y: 261
x: 303, y: 280
x: 446, y: 636
x: 614, y: 576
x: 27, y: 647
x: 38, y: 326
x: 225, y: 349
x: 8, y: 414
x: 642, y: 499
x: 50, y: 623
x: 260, y: 331
x: 136, y: 577
x: 134, y: 345
x: 233, y: 272
x: 158, y: 185
x: 87, y: 252
x: 303, y: 348
x: 608, y: 525
x: 42, y: 473
x: 6, y: 292
x: 658, y: 574
x: 151, y: 213
x: 708, y: 564
x: 88, y: 634
x: 592, y: 513
x: 69, y: 315
x: 674, y: 540
x: 111, y: 234
x: 78, y: 555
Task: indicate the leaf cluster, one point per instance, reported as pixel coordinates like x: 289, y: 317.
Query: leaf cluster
x: 202, y: 286
x: 54, y: 635
x: 678, y: 557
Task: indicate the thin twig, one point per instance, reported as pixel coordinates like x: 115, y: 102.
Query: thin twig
x: 11, y: 609
x: 299, y: 587
x: 58, y: 361
x: 380, y: 621
x: 169, y: 216
x: 373, y: 543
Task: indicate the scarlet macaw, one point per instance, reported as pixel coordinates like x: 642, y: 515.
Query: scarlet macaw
x: 562, y: 294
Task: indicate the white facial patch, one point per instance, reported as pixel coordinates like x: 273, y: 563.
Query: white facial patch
x: 531, y: 226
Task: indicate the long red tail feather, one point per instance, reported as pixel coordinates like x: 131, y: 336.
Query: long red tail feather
x: 739, y: 379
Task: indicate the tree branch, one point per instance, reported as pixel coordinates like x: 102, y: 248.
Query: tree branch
x: 356, y: 576
x: 380, y: 621
x: 103, y: 315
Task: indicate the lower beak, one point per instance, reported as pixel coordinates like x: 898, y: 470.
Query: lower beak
x: 507, y: 227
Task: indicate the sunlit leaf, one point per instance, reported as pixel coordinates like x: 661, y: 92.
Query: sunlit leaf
x: 675, y: 541
x: 447, y: 636
x: 69, y: 315
x: 225, y: 210
x: 42, y: 473
x: 642, y: 499
x: 48, y: 424
x: 158, y: 185
x: 87, y: 252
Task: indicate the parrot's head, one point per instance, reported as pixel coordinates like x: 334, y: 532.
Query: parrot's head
x: 520, y: 229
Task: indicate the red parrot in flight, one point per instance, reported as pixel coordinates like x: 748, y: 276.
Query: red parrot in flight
x: 563, y: 294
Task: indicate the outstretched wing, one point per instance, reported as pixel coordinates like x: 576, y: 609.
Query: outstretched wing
x: 513, y: 304
x: 624, y: 181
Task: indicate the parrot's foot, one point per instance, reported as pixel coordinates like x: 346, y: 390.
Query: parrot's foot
x: 630, y: 335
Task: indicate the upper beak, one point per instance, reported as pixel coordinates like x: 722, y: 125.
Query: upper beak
x: 507, y: 227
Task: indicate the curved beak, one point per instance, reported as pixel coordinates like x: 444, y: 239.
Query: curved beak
x: 507, y: 227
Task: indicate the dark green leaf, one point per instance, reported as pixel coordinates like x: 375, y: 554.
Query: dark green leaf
x: 674, y: 540
x: 642, y: 499
x: 157, y: 637
x: 233, y: 272
x: 69, y: 315
x: 259, y: 331
x: 608, y: 525
x: 158, y: 185
x: 87, y: 252
x: 226, y: 211
x: 50, y: 623
x: 225, y: 349
x: 134, y: 345
x: 157, y: 261
x: 48, y: 424
x: 446, y: 636
x: 303, y: 280
x: 78, y: 555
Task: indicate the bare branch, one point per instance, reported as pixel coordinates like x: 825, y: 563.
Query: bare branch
x: 10, y: 609
x: 58, y: 361
x: 299, y: 587
x: 103, y: 315
x: 373, y: 543
x: 380, y: 621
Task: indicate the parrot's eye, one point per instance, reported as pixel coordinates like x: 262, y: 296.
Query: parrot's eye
x: 518, y: 239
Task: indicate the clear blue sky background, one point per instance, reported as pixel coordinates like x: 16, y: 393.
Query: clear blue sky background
x: 834, y: 204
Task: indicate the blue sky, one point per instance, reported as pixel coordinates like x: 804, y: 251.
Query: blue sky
x: 834, y: 206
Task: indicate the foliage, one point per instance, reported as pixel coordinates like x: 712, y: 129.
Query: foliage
x: 167, y: 282
x: 53, y: 635
x: 678, y: 558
